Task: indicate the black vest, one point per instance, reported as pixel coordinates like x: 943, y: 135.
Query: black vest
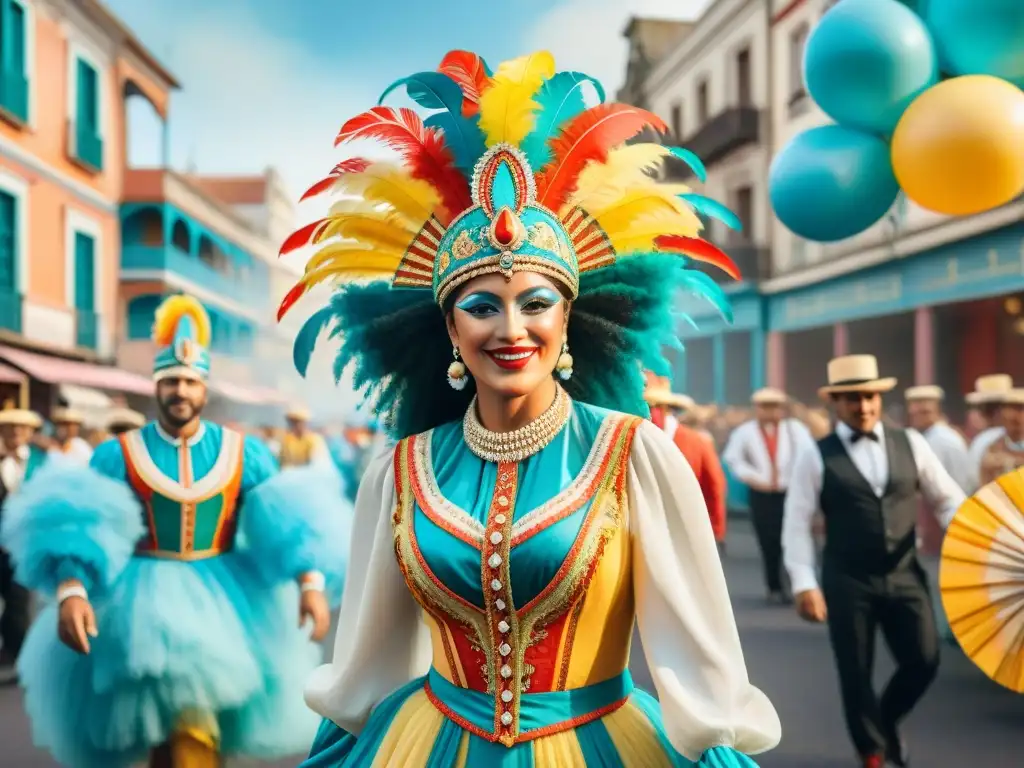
x: 865, y: 534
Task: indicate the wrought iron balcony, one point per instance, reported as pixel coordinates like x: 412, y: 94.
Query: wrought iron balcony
x: 725, y: 132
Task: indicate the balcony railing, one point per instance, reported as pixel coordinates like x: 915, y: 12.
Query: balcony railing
x: 167, y: 258
x: 752, y: 261
x: 14, y: 95
x: 85, y: 146
x: 10, y: 310
x: 87, y: 329
x: 725, y: 132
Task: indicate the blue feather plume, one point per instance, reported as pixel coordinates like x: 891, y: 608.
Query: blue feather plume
x: 305, y: 341
x: 435, y: 90
x: 703, y: 285
x: 713, y: 209
x: 692, y: 161
x: 559, y: 100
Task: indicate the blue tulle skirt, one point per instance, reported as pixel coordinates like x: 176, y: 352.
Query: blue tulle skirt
x: 175, y: 638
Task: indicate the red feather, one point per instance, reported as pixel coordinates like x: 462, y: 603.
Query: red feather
x: 303, y: 237
x: 468, y: 70
x: 353, y: 165
x: 289, y: 299
x: 590, y: 136
x: 423, y: 149
x: 701, y: 250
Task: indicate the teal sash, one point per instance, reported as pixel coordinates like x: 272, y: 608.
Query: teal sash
x: 36, y: 459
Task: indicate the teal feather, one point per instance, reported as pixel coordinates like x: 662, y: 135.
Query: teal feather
x: 434, y: 90
x: 559, y: 100
x: 309, y: 334
x: 713, y: 209
x: 692, y: 161
x: 704, y: 286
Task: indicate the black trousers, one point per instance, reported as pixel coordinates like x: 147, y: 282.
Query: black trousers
x: 766, y: 510
x: 900, y: 605
x: 15, y: 619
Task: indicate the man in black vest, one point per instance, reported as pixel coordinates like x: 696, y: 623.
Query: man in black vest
x: 865, y: 479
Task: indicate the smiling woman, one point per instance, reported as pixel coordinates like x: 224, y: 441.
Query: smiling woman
x: 529, y: 264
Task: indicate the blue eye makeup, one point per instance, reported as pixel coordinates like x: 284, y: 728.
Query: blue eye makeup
x: 479, y: 303
x: 539, y: 299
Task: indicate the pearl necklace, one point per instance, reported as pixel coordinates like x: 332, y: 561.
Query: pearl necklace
x: 517, y: 445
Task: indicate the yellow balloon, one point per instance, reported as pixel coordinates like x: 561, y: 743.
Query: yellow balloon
x: 959, y: 147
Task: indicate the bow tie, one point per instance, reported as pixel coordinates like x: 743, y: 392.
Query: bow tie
x: 857, y: 435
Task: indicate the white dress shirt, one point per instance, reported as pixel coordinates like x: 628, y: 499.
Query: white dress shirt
x: 951, y: 448
x: 77, y: 450
x: 870, y: 457
x: 979, y: 446
x: 12, y: 468
x: 748, y: 459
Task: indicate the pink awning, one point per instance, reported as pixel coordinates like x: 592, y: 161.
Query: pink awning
x: 10, y: 375
x: 55, y: 370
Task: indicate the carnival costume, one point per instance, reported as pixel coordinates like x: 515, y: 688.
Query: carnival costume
x: 189, y: 551
x: 496, y: 577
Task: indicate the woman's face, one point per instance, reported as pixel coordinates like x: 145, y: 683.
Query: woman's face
x: 509, y: 332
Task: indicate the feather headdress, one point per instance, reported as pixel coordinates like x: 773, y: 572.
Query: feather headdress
x: 182, y: 333
x: 511, y: 170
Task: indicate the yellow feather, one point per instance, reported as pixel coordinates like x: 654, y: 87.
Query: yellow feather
x: 625, y: 168
x: 390, y: 184
x: 169, y: 314
x: 620, y: 216
x: 386, y: 230
x: 506, y: 106
x: 343, y: 252
x: 641, y: 233
x: 363, y: 264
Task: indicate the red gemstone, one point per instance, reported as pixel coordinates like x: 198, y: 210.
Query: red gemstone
x: 505, y: 227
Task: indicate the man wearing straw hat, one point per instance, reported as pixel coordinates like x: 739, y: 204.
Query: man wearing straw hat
x: 67, y: 441
x: 864, y: 478
x: 1006, y: 452
x: 695, y: 447
x: 760, y: 453
x: 988, y: 397
x: 301, y: 446
x: 19, y: 459
x: 123, y: 419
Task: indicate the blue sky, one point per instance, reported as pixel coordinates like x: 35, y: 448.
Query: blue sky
x: 269, y: 82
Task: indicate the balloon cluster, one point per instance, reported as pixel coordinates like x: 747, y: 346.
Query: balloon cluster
x: 927, y: 100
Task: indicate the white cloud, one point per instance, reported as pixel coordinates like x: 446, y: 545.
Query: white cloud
x: 586, y: 35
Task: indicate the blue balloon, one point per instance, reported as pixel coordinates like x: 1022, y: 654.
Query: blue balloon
x: 979, y: 37
x: 832, y: 182
x: 866, y: 61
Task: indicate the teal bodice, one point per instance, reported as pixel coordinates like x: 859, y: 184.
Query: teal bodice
x: 190, y: 489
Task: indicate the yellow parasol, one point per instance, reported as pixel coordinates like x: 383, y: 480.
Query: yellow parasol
x: 981, y: 579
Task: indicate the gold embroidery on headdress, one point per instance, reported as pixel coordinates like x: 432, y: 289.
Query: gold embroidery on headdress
x: 444, y: 261
x: 542, y: 236
x: 464, y: 246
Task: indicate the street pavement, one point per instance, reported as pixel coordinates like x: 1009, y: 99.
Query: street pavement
x: 964, y: 720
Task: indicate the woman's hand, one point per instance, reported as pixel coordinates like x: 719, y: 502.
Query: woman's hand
x: 77, y: 623
x: 313, y: 606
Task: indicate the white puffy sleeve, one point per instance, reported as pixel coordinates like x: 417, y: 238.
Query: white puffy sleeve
x: 683, y: 610
x: 381, y: 642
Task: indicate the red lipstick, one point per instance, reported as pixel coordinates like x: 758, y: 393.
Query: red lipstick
x: 511, y: 358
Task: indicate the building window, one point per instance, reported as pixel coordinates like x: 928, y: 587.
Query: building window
x: 677, y: 121
x: 744, y: 88
x: 702, y: 103
x: 797, y: 92
x: 13, y: 261
x: 85, y: 137
x: 15, y: 61
x: 140, y: 316
x: 82, y: 241
x: 743, y: 207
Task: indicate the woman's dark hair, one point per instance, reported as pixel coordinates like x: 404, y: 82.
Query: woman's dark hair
x: 397, y: 341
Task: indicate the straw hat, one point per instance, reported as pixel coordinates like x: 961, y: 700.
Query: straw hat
x: 298, y: 413
x: 769, y: 396
x: 66, y: 416
x: 125, y: 417
x: 855, y: 373
x: 19, y: 416
x: 924, y: 392
x: 659, y: 394
x: 990, y: 389
x: 1013, y: 397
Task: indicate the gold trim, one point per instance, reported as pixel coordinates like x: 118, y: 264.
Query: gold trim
x: 212, y: 483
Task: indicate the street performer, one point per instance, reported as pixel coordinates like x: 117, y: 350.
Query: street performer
x: 171, y: 641
x: 760, y: 453
x: 864, y: 478
x: 698, y: 451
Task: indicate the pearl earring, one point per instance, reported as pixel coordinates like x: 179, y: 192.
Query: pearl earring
x: 457, y: 377
x: 564, y: 365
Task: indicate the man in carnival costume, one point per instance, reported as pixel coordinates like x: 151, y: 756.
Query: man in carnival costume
x: 20, y: 458
x: 529, y: 513
x: 179, y: 562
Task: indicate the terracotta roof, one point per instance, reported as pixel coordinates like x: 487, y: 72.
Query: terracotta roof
x: 235, y: 190
x: 130, y: 40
